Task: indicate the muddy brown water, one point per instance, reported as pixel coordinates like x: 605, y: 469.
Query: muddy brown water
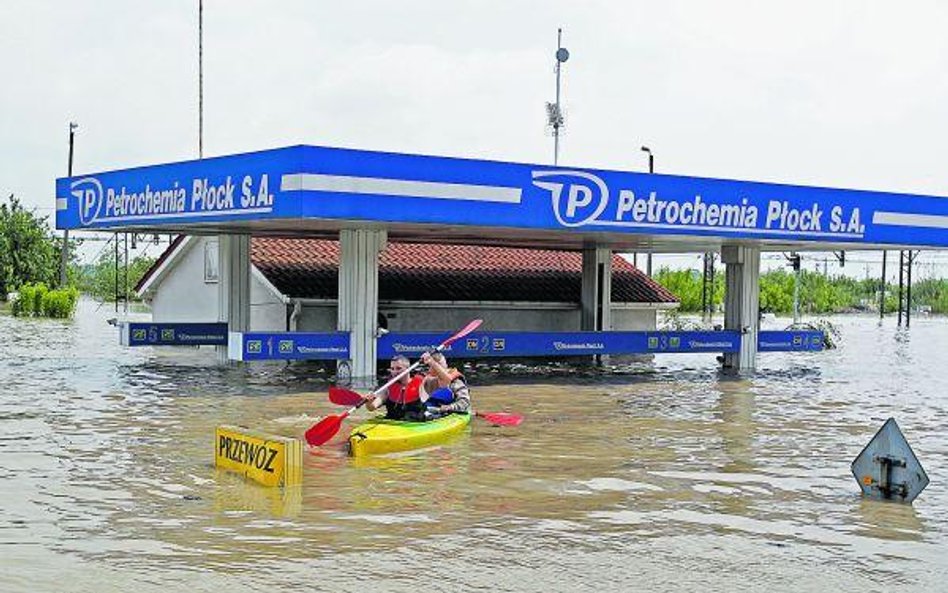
x: 659, y: 475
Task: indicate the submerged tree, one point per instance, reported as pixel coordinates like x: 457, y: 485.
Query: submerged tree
x: 28, y: 250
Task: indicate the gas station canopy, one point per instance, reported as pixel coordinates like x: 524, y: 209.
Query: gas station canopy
x: 316, y: 191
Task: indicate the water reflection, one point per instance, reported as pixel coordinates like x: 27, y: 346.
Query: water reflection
x: 888, y: 520
x: 735, y: 409
x: 233, y: 497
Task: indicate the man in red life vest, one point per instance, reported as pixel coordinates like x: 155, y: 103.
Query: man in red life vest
x: 408, y: 398
x: 405, y: 399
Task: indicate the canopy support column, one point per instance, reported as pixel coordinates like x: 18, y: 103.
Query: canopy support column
x: 233, y: 286
x: 359, y: 301
x: 742, y: 304
x: 596, y: 289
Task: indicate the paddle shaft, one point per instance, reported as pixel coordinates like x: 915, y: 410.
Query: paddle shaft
x: 326, y: 428
x: 466, y: 330
x: 397, y: 377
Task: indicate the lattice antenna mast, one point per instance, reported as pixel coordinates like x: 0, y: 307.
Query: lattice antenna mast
x: 554, y: 114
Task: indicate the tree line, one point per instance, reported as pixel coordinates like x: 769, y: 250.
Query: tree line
x: 30, y: 266
x: 819, y: 294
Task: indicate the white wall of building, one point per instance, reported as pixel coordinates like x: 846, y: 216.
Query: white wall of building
x: 268, y: 312
x: 317, y: 318
x: 634, y: 319
x: 186, y: 295
x: 183, y: 295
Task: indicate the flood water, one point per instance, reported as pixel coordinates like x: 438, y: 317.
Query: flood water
x: 662, y: 475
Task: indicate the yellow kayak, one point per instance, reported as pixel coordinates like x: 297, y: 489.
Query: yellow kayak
x: 379, y: 435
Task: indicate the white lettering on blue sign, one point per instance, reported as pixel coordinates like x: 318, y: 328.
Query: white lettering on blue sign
x: 719, y: 344
x: 578, y: 346
x: 97, y: 203
x: 580, y: 198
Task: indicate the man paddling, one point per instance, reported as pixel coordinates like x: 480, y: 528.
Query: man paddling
x: 408, y: 398
x: 442, y: 379
x: 405, y: 399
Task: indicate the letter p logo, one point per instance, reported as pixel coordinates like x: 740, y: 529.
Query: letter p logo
x: 579, y: 196
x: 586, y: 196
x: 88, y: 192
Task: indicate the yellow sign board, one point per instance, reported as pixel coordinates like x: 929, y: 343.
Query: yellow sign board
x: 265, y: 458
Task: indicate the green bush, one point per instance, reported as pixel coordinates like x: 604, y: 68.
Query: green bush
x: 35, y: 300
x: 39, y: 292
x: 60, y: 303
x: 29, y: 300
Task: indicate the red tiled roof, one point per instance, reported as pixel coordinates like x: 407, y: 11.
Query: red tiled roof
x: 307, y: 268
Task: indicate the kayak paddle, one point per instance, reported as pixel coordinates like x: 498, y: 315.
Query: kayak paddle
x: 325, y: 429
x: 344, y: 397
x: 501, y: 418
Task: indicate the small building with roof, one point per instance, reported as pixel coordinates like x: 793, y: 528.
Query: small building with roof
x: 421, y: 286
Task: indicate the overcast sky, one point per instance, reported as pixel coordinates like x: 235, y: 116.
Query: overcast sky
x: 836, y: 93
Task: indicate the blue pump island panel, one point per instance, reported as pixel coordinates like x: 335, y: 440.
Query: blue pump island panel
x: 513, y: 344
x: 173, y: 334
x: 288, y: 346
x: 335, y: 345
x: 306, y: 183
x: 790, y: 341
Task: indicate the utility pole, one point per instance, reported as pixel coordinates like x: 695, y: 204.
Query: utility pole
x: 651, y: 171
x: 794, y: 260
x: 906, y: 259
x: 64, y: 259
x: 707, y: 287
x: 115, y: 269
x: 882, y: 288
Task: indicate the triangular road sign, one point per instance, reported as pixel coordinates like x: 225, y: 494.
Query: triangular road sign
x: 887, y: 468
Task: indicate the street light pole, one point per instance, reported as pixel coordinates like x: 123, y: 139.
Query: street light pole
x: 651, y: 170
x: 64, y: 256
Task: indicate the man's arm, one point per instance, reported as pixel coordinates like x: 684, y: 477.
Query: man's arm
x: 444, y: 379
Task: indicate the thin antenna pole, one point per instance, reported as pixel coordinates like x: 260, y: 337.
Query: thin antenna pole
x: 556, y: 123
x: 201, y: 79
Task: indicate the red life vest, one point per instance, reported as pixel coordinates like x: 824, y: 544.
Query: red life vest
x: 406, y: 394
